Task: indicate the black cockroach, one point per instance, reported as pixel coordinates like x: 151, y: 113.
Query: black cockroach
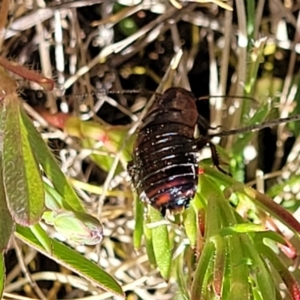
x: 164, y: 168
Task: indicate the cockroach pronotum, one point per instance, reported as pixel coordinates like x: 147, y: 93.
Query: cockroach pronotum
x: 164, y: 168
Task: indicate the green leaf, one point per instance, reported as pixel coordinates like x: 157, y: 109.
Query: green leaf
x: 7, y: 225
x: 267, y: 204
x: 290, y: 279
x: 219, y: 264
x: 261, y: 273
x: 21, y: 174
x: 190, y: 225
x: 51, y: 168
x: 72, y: 260
x: 219, y: 215
x: 53, y: 200
x: 161, y: 243
x: 271, y: 236
x: 183, y: 291
x: 239, y: 288
x: 42, y: 237
x: 2, y: 275
x: 201, y: 270
x: 139, y: 220
x: 149, y: 246
x: 242, y: 228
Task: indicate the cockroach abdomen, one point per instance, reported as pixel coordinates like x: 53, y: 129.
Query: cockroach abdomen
x: 164, y: 169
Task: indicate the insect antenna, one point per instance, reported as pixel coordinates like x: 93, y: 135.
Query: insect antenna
x: 256, y: 127
x: 101, y: 92
x: 229, y: 96
x: 58, y: 92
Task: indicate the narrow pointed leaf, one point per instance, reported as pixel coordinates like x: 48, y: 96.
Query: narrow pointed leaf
x: 21, y: 174
x: 239, y: 288
x: 51, y: 168
x: 42, y: 237
x: 274, y: 209
x: 149, y: 246
x: 2, y: 274
x: 190, y: 225
x: 265, y: 283
x: 73, y: 260
x: 183, y: 292
x: 219, y: 265
x: 161, y: 244
x: 139, y: 220
x: 53, y: 200
x: 201, y: 271
x: 7, y: 225
x: 262, y: 275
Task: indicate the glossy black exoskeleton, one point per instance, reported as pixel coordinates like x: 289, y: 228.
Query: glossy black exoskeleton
x: 164, y: 168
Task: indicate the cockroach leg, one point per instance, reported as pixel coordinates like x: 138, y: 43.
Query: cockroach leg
x: 201, y: 143
x: 215, y: 158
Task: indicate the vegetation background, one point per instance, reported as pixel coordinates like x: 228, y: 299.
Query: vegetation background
x: 107, y: 59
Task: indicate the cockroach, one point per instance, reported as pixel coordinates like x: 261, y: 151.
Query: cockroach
x: 164, y: 166
x: 164, y: 169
